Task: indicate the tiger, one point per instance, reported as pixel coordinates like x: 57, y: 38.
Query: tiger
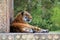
x: 20, y: 24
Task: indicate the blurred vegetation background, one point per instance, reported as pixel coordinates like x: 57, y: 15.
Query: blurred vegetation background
x: 45, y: 13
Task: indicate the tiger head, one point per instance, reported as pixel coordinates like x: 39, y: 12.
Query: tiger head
x: 27, y: 17
x: 23, y: 17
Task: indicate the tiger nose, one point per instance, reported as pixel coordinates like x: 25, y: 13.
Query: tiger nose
x: 44, y: 31
x: 28, y: 20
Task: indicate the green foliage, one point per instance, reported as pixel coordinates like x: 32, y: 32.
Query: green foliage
x: 45, y: 13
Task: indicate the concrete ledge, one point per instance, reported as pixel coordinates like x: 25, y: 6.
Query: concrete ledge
x: 29, y: 36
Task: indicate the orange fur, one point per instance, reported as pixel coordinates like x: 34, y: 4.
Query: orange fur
x: 19, y: 23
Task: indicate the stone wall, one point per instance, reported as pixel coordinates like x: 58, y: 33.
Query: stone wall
x: 29, y: 36
x: 4, y: 16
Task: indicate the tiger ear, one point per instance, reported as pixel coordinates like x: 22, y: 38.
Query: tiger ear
x: 22, y: 13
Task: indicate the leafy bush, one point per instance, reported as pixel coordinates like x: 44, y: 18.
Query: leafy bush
x: 46, y: 14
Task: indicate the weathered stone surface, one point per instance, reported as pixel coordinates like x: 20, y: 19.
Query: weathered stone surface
x: 4, y: 16
x: 27, y: 36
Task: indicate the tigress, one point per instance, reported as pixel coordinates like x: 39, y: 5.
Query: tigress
x: 21, y: 24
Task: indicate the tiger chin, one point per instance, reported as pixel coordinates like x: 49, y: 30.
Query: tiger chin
x: 21, y: 24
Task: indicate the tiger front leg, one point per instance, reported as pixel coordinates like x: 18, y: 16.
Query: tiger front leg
x: 26, y: 30
x: 39, y: 30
